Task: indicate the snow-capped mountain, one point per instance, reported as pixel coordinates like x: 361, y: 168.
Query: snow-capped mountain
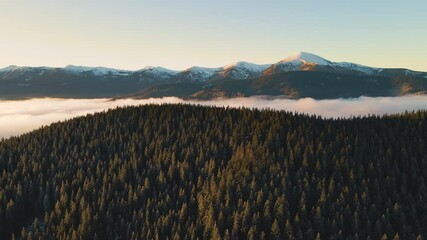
x: 303, y: 57
x: 198, y: 73
x: 356, y: 67
x: 14, y: 68
x: 301, y: 61
x: 9, y: 68
x: 152, y: 73
x: 299, y: 75
x: 97, y: 71
x: 242, y: 70
x: 309, y: 62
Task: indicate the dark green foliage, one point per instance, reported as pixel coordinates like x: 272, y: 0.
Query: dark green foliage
x: 182, y: 172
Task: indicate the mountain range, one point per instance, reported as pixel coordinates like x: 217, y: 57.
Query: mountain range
x: 297, y: 76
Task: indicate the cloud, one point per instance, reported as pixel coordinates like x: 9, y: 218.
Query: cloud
x: 331, y: 108
x: 17, y: 117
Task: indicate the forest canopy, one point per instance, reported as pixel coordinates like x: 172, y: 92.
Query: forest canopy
x: 187, y: 172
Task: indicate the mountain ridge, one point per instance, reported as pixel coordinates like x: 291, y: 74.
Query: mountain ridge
x: 296, y: 59
x: 299, y: 75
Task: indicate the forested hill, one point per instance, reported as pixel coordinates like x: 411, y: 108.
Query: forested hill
x: 186, y: 172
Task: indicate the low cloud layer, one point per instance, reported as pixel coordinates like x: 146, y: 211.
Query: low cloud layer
x: 17, y: 117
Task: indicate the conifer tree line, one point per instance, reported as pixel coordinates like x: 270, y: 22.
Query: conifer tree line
x: 192, y: 172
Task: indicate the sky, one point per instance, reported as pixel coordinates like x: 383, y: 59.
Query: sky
x: 177, y: 34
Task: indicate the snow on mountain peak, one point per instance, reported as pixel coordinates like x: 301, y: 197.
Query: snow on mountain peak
x: 158, y: 70
x: 247, y: 66
x: 301, y: 61
x: 242, y: 70
x: 306, y: 58
x: 200, y: 73
x: 201, y: 69
x: 357, y: 67
x: 13, y: 68
x: 9, y: 68
x: 95, y: 70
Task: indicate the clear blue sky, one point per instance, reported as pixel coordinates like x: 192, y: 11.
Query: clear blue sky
x: 180, y: 33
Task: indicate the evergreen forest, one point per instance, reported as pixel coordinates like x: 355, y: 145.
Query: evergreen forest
x: 193, y: 172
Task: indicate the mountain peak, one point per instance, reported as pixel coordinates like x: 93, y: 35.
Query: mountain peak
x: 198, y: 68
x: 9, y: 68
x: 307, y: 57
x: 238, y: 64
x: 199, y: 73
x: 98, y: 71
x: 158, y: 69
x: 246, y: 65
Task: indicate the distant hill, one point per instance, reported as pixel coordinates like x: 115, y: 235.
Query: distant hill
x: 300, y: 75
x: 188, y: 172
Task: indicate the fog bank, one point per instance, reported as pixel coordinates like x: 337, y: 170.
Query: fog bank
x: 17, y: 117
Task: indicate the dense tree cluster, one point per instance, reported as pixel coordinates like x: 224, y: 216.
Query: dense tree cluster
x: 187, y: 172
